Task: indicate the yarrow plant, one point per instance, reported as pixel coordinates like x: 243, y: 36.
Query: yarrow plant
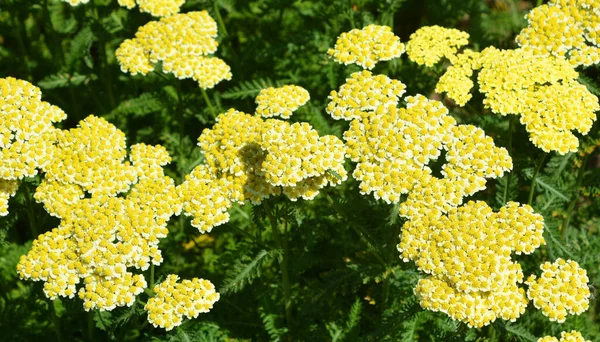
x: 403, y: 202
x: 181, y: 42
x: 564, y: 28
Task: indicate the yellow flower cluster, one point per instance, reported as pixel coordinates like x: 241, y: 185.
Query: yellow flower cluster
x: 281, y: 101
x: 476, y: 309
x: 250, y: 159
x: 172, y: 301
x: 544, y: 91
x: 181, y: 42
x: 566, y: 29
x: 156, y: 8
x: 367, y: 46
x: 26, y: 134
x: 394, y: 146
x: 468, y: 254
x: 573, y: 336
x: 561, y: 289
x: 429, y: 44
x: 456, y: 81
x: 91, y: 156
x: 473, y: 278
x: 101, y: 237
x: 362, y: 94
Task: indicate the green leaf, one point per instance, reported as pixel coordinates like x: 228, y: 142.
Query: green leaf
x: 139, y: 107
x: 521, y: 333
x: 507, y: 189
x: 546, y: 184
x: 80, y: 46
x: 247, y: 89
x: 62, y: 80
x: 592, y: 86
x: 244, y: 273
x: 103, y: 319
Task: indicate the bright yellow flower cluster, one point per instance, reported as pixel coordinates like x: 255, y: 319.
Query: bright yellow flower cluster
x: 95, y: 244
x: 91, y: 156
x: 544, y: 91
x: 429, y: 44
x: 250, y: 159
x: 101, y: 237
x: 566, y: 29
x: 456, y: 81
x: 281, y: 101
x: 476, y: 309
x: 573, y: 336
x: 561, y: 289
x: 172, y: 301
x: 156, y: 8
x: 362, y: 94
x: 181, y: 42
x: 473, y: 278
x: 394, y: 145
x: 367, y: 46
x: 26, y: 134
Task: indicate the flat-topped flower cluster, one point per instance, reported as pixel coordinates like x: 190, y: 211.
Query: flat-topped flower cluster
x: 114, y: 206
x: 182, y: 42
x: 464, y: 248
x: 156, y: 8
x: 249, y: 158
x: 543, y: 89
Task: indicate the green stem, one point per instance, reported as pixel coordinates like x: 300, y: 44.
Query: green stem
x: 540, y: 163
x: 571, y: 207
x: 539, y: 3
x: 55, y: 320
x: 152, y: 277
x: 181, y: 118
x: 103, y: 72
x: 209, y: 104
x: 511, y: 125
x: 58, y: 53
x: 30, y: 214
x: 90, y: 325
x: 220, y: 19
x: 359, y: 231
x: 21, y: 42
x: 281, y: 240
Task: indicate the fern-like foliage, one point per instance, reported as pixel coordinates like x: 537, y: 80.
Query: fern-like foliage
x: 139, y: 106
x: 63, y: 80
x: 245, y: 271
x: 248, y: 89
x: 507, y: 189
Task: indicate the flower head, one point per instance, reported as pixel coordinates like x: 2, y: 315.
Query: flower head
x: 429, y: 44
x: 561, y: 289
x: 543, y: 90
x: 172, y: 301
x: 362, y: 94
x: 573, y: 336
x: 367, y: 46
x: 181, y: 42
x: 250, y: 159
x: 26, y: 134
x: 564, y: 28
x: 281, y: 101
x: 476, y: 309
